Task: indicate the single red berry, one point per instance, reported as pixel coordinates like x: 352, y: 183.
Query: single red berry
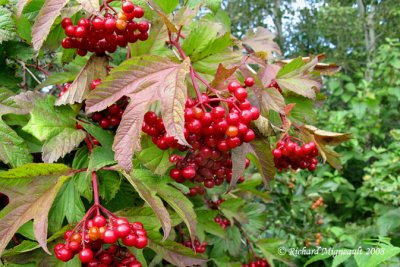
x: 249, y: 82
x: 233, y: 86
x: 74, y: 246
x: 81, y: 52
x: 138, y: 12
x: 106, y: 258
x: 80, y: 32
x: 66, y: 22
x: 188, y: 172
x: 128, y: 7
x: 277, y: 153
x: 195, y: 126
x: 70, y: 31
x: 150, y: 118
x: 104, y: 123
x: 109, y: 236
x: 249, y: 136
x: 64, y: 254
x: 143, y: 36
x: 143, y: 26
x: 84, y: 23
x: 175, y: 174
x: 86, y: 255
x: 98, y: 23
x: 109, y: 25
x: 241, y: 94
x: 96, y: 117
x: 95, y: 83
x: 218, y: 112
x: 122, y: 230
x: 67, y: 43
x: 130, y: 240
x: 99, y: 221
x: 113, y: 109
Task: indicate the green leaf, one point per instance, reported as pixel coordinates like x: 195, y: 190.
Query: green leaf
x: 101, y: 157
x: 339, y: 259
x: 303, y: 111
x: 150, y: 197
x: 230, y: 244
x: 144, y: 79
x: 95, y: 68
x: 167, y: 6
x: 175, y: 253
x: 155, y: 45
x: 213, y: 5
x: 7, y: 27
x: 316, y: 258
x: 207, y: 224
x: 104, y: 137
x: 153, y: 158
x: 82, y: 180
x: 389, y: 221
x: 109, y: 184
x: 24, y: 28
x: 251, y: 185
x: 31, y: 200
x: 296, y: 76
x: 62, y: 144
x: 206, y: 39
x: 67, y: 204
x: 13, y: 149
x: 270, y: 249
x: 47, y: 121
x: 209, y: 64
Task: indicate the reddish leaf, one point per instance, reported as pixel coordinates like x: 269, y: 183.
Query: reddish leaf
x: 288, y: 108
x: 20, y: 6
x: 31, y: 189
x: 261, y: 42
x: 95, y: 68
x: 239, y: 162
x: 144, y: 79
x: 222, y: 74
x: 50, y: 11
x: 26, y: 100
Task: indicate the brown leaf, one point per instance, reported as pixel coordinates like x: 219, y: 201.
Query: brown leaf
x: 263, y: 126
x: 238, y: 156
x: 171, y: 27
x: 324, y: 141
x: 95, y: 68
x: 261, y: 42
x: 222, y: 74
x: 31, y: 200
x: 144, y: 79
x: 262, y: 150
x: 152, y: 200
x: 91, y: 6
x: 44, y: 20
x: 26, y: 100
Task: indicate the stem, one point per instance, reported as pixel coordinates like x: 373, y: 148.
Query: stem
x: 95, y: 190
x: 45, y: 72
x: 204, y: 81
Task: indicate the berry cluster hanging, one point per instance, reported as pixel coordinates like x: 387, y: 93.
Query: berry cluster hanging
x: 101, y: 34
x: 212, y: 133
x: 289, y: 154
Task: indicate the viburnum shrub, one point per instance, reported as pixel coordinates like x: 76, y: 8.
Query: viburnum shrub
x: 159, y: 152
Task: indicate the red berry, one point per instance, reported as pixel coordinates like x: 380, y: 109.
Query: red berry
x: 70, y: 31
x: 109, y: 236
x: 189, y: 173
x: 233, y: 86
x: 81, y: 52
x: 99, y: 221
x: 113, y: 109
x: 122, y: 230
x: 241, y: 94
x: 86, y: 255
x: 218, y: 112
x: 84, y: 23
x: 233, y: 142
x: 98, y: 23
x: 249, y: 136
x: 128, y: 7
x: 150, y: 118
x: 175, y: 174
x: 67, y: 43
x: 277, y: 153
x: 194, y: 126
x: 80, y: 32
x: 74, y: 246
x: 64, y: 254
x: 106, y: 258
x: 130, y: 240
x: 138, y: 12
x: 96, y: 117
x: 255, y: 113
x: 143, y: 26
x: 109, y: 25
x: 249, y: 81
x: 66, y: 22
x: 104, y: 123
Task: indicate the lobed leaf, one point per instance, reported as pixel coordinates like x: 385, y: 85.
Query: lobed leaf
x: 30, y: 201
x: 95, y: 68
x: 7, y: 27
x: 144, y: 80
x: 261, y: 42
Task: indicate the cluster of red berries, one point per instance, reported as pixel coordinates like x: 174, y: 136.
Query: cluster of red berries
x: 89, y: 236
x: 257, y: 263
x: 104, y: 34
x: 212, y: 134
x: 223, y: 222
x: 318, y: 203
x: 110, y: 117
x: 290, y: 154
x: 198, y: 247
x: 64, y: 89
x: 196, y: 190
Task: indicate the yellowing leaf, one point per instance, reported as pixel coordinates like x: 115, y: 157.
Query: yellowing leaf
x: 261, y: 41
x: 30, y: 200
x: 144, y: 80
x: 324, y: 141
x: 95, y: 68
x: 90, y: 6
x: 50, y: 11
